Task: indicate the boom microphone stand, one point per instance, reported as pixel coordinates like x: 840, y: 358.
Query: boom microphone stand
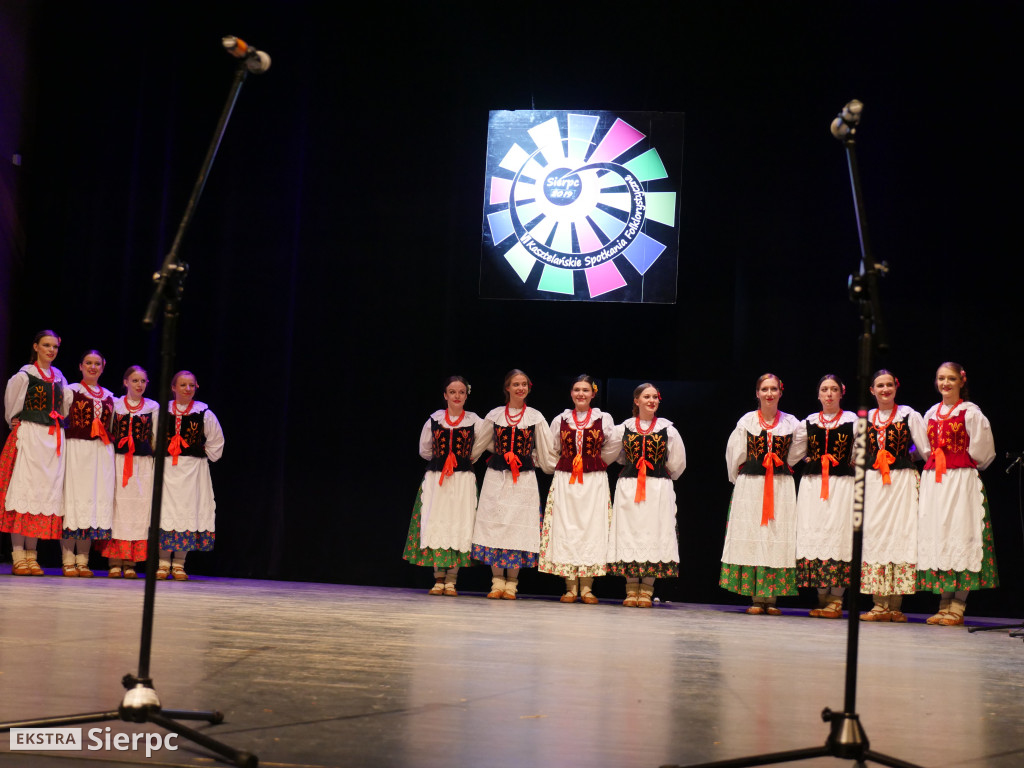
x: 141, y: 703
x: 847, y: 738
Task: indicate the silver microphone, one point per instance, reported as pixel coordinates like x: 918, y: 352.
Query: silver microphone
x: 846, y: 122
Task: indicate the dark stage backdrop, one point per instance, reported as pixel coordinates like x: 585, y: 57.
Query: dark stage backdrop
x: 333, y: 281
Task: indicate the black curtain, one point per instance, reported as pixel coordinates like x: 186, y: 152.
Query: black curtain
x: 334, y: 256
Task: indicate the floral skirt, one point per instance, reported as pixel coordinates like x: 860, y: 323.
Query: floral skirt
x: 563, y: 569
x: 32, y: 526
x: 955, y: 581
x: 132, y: 551
x: 822, y: 573
x: 758, y: 580
x: 644, y: 570
x: 434, y: 558
x: 82, y: 534
x: 177, y: 541
x: 888, y: 578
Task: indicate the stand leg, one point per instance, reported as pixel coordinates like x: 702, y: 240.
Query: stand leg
x: 239, y: 758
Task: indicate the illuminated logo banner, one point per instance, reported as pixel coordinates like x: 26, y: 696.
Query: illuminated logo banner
x: 582, y: 205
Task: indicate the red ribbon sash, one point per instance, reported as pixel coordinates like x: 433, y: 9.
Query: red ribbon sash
x: 882, y: 463
x: 128, y: 457
x: 940, y: 463
x: 771, y: 461
x: 642, y: 465
x: 514, y: 463
x: 825, y: 461
x: 55, y: 427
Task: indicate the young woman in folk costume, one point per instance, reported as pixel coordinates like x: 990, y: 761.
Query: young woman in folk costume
x: 134, y: 435
x: 574, y: 537
x: 955, y: 553
x: 643, y: 544
x: 32, y: 462
x: 441, y: 529
x: 188, y: 508
x: 824, y: 506
x: 759, y: 557
x: 890, y: 500
x: 506, y: 534
x: 89, y: 476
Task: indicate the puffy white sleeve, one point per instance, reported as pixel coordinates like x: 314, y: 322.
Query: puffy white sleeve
x: 426, y: 441
x: 483, y: 438
x: 14, y: 395
x: 69, y: 397
x: 675, y: 463
x: 736, y: 451
x: 545, y: 448
x: 798, y: 448
x: 214, y: 435
x: 919, y: 434
x: 983, y: 445
x: 612, y: 446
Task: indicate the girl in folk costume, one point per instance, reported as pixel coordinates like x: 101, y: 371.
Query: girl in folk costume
x: 955, y: 553
x: 506, y: 534
x: 824, y: 507
x: 642, y: 543
x: 890, y: 500
x: 441, y: 529
x: 194, y: 439
x: 134, y: 435
x: 32, y: 462
x: 759, y: 558
x: 574, y: 537
x: 89, y: 476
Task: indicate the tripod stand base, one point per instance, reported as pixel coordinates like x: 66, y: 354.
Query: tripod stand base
x: 142, y: 705
x: 846, y: 740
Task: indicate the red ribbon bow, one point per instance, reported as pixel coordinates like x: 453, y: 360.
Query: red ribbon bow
x: 514, y: 463
x: 577, y: 471
x: 98, y: 430
x: 882, y: 462
x: 940, y: 463
x: 771, y: 461
x: 642, y: 465
x: 177, y: 442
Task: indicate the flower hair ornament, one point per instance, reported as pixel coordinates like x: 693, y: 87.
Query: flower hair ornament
x: 469, y: 389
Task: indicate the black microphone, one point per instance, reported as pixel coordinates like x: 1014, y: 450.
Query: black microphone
x: 256, y: 61
x: 846, y: 122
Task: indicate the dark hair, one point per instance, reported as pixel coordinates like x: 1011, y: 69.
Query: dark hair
x: 34, y: 356
x: 836, y: 379
x: 583, y: 377
x: 132, y: 369
x: 884, y: 372
x: 92, y: 352
x: 174, y: 378
x: 451, y: 379
x: 508, y: 380
x: 639, y: 391
x: 964, y: 395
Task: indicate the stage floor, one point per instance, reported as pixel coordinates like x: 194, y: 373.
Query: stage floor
x: 334, y: 675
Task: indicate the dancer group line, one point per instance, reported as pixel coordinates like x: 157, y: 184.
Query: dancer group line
x: 925, y: 530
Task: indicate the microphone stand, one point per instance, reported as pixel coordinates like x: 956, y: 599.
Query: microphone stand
x: 141, y: 703
x: 847, y: 739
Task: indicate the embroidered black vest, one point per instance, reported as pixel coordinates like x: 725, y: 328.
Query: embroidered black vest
x: 191, y: 432
x: 78, y: 424
x: 503, y: 443
x: 40, y: 399
x: 757, y: 449
x: 459, y: 439
x: 653, y: 447
x: 840, y: 447
x: 142, y: 432
x: 593, y: 439
x: 897, y: 442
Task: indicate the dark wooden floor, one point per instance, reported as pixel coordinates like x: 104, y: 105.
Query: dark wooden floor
x: 331, y: 675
